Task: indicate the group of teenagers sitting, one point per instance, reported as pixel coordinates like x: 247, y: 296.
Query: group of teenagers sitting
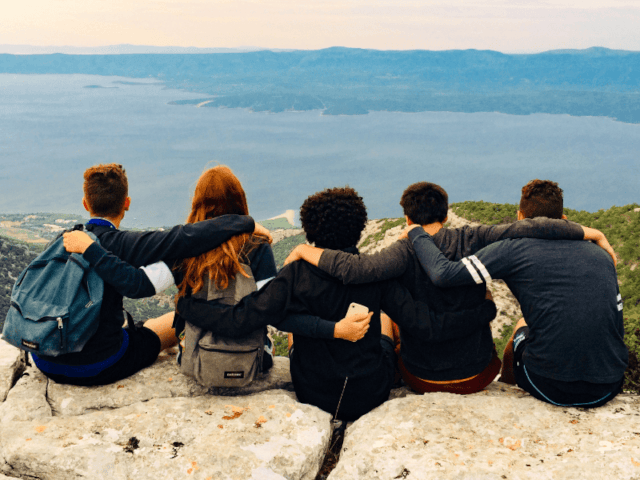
x: 428, y: 309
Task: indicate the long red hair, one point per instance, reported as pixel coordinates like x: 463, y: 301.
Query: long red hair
x: 218, y: 192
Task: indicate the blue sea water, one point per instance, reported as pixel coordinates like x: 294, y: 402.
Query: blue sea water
x: 52, y: 128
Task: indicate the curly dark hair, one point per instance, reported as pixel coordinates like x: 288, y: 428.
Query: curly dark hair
x: 425, y: 203
x: 541, y: 198
x: 334, y: 218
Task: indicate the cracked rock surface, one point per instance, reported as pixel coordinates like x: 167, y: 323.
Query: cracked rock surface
x: 157, y: 425
x: 501, y: 432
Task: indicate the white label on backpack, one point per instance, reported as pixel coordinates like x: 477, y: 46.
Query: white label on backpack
x: 31, y: 345
x: 233, y: 374
x: 89, y: 304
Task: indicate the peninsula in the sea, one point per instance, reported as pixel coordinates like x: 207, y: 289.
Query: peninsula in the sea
x: 347, y: 81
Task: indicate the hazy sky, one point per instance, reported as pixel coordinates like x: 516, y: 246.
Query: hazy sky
x: 504, y: 25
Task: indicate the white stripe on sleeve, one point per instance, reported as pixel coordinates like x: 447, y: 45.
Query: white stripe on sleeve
x: 481, y: 268
x: 472, y: 270
x: 619, y: 298
x: 160, y: 276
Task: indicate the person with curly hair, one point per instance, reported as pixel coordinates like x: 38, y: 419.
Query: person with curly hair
x: 569, y: 348
x: 346, y: 379
x: 460, y: 358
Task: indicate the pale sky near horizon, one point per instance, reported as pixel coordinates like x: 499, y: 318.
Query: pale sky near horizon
x: 511, y: 26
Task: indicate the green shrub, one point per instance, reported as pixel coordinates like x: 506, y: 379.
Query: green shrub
x: 281, y: 345
x: 486, y: 212
x: 282, y: 249
x: 387, y: 224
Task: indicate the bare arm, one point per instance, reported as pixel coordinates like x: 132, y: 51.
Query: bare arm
x: 599, y: 238
x: 305, y: 252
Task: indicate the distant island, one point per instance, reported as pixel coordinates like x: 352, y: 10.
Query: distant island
x: 345, y: 81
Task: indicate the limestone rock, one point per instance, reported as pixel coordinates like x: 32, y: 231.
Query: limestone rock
x: 501, y: 432
x: 507, y: 307
x: 371, y: 228
x: 12, y: 364
x: 281, y: 234
x: 265, y: 436
x: 27, y: 400
x: 161, y: 380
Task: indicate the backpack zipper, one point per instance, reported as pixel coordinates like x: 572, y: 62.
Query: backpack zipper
x: 63, y: 343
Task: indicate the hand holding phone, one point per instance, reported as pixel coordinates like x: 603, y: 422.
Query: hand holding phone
x: 355, y: 324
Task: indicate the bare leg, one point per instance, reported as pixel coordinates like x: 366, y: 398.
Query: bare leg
x: 385, y: 325
x: 162, y: 326
x: 290, y: 341
x: 506, y: 374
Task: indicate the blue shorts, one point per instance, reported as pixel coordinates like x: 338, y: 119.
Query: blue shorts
x: 564, y: 394
x: 142, y: 350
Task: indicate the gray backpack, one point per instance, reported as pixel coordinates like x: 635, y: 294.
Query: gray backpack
x: 216, y: 361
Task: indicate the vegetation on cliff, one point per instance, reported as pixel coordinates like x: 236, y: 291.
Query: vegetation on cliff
x: 14, y: 257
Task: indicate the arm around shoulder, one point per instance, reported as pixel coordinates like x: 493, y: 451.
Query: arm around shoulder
x: 476, y: 238
x: 386, y: 264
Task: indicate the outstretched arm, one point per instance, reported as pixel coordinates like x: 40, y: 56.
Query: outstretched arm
x: 182, y: 241
x: 127, y: 280
x: 389, y: 263
x: 462, y: 242
x: 599, y: 239
x: 442, y: 271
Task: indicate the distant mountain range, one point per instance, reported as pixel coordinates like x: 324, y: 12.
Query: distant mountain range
x: 591, y: 82
x: 116, y: 49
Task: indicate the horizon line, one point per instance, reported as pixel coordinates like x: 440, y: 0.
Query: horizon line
x: 96, y: 50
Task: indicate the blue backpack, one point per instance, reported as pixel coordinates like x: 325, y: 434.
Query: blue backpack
x: 55, y: 303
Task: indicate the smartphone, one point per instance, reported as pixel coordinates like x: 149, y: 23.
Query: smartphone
x: 355, y: 308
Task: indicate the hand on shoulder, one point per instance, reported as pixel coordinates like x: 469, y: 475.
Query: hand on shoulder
x: 76, y: 241
x: 405, y: 232
x: 263, y: 232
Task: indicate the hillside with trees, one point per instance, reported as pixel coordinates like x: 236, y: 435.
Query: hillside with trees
x: 14, y: 257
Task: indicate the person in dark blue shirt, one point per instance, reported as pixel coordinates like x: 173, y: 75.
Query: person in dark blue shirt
x: 569, y: 349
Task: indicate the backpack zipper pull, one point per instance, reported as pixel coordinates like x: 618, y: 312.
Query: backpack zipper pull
x: 63, y: 344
